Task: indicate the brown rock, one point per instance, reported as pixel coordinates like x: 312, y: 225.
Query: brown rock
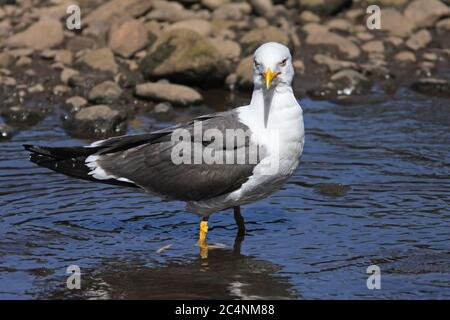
x: 244, y: 72
x: 41, y: 35
x: 373, y: 46
x: 36, y: 88
x: 117, y: 10
x: 202, y: 27
x: 76, y: 103
x: 263, y: 7
x: 364, y: 36
x: 307, y: 16
x: 323, y: 7
x: 419, y: 40
x: 343, y: 44
x: 167, y: 92
x: 229, y: 49
x: 254, y: 38
x: 311, y: 28
x: 299, y: 66
x: 432, y: 87
x: 405, y: 56
x: 213, y: 4
x: 66, y: 74
x: 6, y: 59
x: 349, y: 81
x: 395, y: 41
x: 339, y: 24
x: 232, y: 11
x: 97, y: 121
x: 100, y: 59
x: 430, y: 56
x: 105, y: 92
x: 173, y: 12
x: 128, y: 37
x: 332, y: 64
x: 23, y: 61
x: 64, y: 56
x: 423, y: 13
x: 393, y: 22
x: 443, y: 25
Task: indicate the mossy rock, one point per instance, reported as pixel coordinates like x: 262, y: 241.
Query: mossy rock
x: 185, y: 56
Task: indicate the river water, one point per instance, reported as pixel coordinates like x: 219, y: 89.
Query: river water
x: 373, y: 188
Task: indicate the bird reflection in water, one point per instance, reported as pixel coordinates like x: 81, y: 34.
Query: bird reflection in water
x: 224, y: 274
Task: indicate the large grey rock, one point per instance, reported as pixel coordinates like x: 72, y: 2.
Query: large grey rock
x: 187, y: 57
x: 423, y: 13
x: 41, y: 35
x: 105, y: 92
x: 128, y: 37
x: 167, y: 92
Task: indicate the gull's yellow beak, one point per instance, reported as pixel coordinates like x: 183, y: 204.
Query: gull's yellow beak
x: 269, y: 75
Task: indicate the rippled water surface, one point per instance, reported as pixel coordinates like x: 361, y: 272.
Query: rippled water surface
x: 373, y: 187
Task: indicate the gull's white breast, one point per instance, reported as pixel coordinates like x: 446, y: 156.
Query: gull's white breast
x: 283, y: 139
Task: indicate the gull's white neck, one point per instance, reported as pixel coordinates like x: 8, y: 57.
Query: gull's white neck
x: 272, y: 109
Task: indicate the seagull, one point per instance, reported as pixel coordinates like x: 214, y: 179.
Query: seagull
x: 215, y: 162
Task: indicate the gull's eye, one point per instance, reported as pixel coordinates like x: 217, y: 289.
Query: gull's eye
x: 283, y: 62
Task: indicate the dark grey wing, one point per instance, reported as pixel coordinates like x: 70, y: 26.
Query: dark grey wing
x: 151, y: 165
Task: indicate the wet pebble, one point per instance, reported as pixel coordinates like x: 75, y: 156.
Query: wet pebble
x: 75, y: 103
x: 98, y: 121
x: 163, y: 111
x: 21, y: 116
x: 105, y: 92
x: 432, y: 87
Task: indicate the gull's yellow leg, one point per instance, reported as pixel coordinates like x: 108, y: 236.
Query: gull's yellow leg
x: 202, y: 238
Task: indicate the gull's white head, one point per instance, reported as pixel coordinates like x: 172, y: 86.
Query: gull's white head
x: 272, y: 66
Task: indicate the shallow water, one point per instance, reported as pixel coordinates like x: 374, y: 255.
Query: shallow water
x: 373, y: 187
